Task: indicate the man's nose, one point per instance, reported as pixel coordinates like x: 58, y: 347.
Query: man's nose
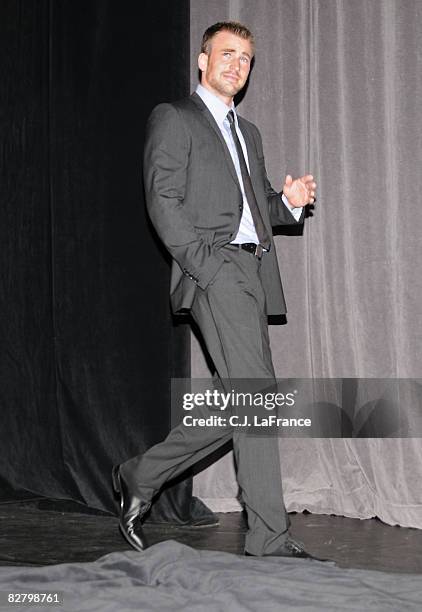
x: 235, y: 64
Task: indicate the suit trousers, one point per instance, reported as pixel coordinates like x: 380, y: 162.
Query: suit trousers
x: 230, y: 314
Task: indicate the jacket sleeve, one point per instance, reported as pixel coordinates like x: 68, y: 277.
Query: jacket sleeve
x: 279, y: 213
x: 166, y: 164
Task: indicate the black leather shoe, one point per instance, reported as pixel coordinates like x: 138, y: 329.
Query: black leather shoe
x: 289, y: 549
x: 132, y: 510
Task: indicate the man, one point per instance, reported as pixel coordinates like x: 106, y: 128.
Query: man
x: 212, y: 205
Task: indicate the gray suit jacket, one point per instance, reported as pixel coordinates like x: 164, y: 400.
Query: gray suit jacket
x: 194, y: 199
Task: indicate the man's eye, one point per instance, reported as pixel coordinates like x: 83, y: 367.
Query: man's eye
x: 226, y: 54
x: 245, y: 60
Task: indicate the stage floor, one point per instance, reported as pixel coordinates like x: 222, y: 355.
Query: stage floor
x: 45, y: 532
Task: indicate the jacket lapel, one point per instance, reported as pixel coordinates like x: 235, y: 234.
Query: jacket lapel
x: 210, y: 122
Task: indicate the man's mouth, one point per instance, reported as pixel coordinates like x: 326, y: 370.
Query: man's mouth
x: 231, y: 77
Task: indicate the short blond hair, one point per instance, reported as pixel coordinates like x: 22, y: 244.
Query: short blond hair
x: 225, y: 26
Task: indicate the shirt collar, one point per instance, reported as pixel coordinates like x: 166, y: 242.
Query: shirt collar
x: 216, y: 106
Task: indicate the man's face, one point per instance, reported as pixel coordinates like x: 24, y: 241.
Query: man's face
x: 226, y: 68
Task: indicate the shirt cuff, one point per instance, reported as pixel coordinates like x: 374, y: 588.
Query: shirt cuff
x: 296, y: 212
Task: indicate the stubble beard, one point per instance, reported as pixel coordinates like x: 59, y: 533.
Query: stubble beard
x: 226, y: 89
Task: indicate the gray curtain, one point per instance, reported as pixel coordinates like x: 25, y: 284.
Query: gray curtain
x: 337, y: 90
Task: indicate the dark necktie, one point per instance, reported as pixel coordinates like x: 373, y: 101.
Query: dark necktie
x: 263, y: 237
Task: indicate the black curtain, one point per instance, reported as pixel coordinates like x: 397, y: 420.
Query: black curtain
x: 88, y: 345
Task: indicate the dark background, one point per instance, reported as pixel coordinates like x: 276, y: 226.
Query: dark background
x: 87, y: 341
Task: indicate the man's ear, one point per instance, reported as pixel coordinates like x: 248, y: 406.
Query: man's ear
x: 202, y: 61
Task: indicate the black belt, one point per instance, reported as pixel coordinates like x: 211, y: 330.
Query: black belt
x: 251, y: 247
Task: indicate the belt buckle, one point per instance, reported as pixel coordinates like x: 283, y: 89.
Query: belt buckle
x: 259, y: 251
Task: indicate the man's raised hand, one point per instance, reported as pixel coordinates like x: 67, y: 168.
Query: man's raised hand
x: 300, y: 191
